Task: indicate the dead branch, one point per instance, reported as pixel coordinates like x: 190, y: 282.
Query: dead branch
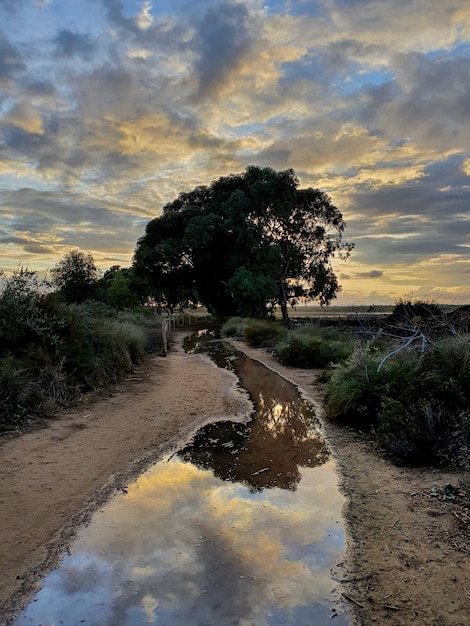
x: 361, y: 606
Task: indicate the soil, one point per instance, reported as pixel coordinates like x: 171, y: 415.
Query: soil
x: 407, y: 560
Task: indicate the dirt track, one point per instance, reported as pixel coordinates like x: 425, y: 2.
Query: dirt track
x: 52, y: 480
x: 407, y: 560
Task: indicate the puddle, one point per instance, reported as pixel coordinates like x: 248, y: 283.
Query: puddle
x: 241, y: 527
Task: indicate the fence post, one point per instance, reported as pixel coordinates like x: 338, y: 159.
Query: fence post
x: 165, y: 336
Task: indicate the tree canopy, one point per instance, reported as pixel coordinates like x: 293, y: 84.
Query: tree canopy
x: 75, y: 276
x: 243, y: 242
x: 117, y: 289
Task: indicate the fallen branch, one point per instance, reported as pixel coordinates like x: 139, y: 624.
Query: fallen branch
x: 352, y: 580
x: 417, y: 334
x: 353, y: 600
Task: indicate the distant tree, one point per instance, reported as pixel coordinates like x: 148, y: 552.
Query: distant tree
x: 117, y: 288
x: 244, y: 241
x: 75, y: 276
x: 28, y: 314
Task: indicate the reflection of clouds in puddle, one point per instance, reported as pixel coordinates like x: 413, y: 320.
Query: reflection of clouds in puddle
x: 149, y: 605
x: 184, y: 546
x: 219, y: 542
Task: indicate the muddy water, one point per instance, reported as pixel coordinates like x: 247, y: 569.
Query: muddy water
x: 240, y: 527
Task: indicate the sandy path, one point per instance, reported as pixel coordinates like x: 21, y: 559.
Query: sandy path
x: 408, y: 557
x: 407, y: 560
x: 52, y: 480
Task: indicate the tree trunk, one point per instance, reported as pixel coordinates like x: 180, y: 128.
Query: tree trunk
x: 283, y: 304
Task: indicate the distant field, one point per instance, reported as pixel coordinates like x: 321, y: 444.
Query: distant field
x: 346, y: 312
x: 333, y: 312
x: 336, y: 312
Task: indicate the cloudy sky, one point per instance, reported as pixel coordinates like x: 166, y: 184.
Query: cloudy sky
x: 110, y: 108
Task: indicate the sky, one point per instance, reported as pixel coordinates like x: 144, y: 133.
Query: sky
x: 110, y: 108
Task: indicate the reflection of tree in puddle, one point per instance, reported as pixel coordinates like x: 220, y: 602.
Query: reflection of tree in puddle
x: 268, y: 451
x: 192, y: 342
x: 205, y: 340
x: 181, y: 547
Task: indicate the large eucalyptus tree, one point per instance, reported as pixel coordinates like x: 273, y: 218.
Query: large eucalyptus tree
x: 242, y: 242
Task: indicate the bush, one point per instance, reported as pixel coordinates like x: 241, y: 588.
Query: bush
x: 262, y: 333
x: 98, y: 349
x: 234, y: 327
x: 51, y: 352
x: 407, y: 310
x: 426, y: 432
x: 310, y: 346
x: 354, y: 389
x: 27, y: 315
x: 418, y: 404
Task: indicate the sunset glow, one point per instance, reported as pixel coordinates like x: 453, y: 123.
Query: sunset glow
x: 110, y: 108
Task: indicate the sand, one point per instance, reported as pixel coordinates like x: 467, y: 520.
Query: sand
x: 407, y: 560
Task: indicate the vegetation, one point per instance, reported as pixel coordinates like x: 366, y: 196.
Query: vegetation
x: 410, y: 388
x: 312, y: 346
x: 308, y: 346
x: 117, y: 288
x: 50, y: 351
x: 242, y: 244
x: 75, y: 276
x: 234, y: 327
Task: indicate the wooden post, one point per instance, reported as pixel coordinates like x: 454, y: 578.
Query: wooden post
x: 165, y: 328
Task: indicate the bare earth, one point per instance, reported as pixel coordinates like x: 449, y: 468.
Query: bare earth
x: 407, y: 560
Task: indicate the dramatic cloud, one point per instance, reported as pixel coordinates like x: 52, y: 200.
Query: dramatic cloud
x: 69, y: 44
x: 371, y: 274
x: 10, y: 60
x: 110, y: 108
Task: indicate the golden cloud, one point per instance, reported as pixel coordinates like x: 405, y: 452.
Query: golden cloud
x: 25, y: 117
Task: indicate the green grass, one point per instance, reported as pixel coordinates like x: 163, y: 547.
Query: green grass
x: 258, y: 333
x: 310, y: 346
x: 234, y: 327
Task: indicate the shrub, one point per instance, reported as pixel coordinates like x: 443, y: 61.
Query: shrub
x: 354, y: 389
x: 18, y: 393
x: 50, y: 352
x: 418, y: 404
x: 407, y: 310
x: 310, y: 346
x: 99, y: 349
x: 27, y: 315
x: 262, y: 333
x: 234, y: 327
x: 425, y: 432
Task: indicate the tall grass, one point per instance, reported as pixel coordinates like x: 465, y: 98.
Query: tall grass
x: 51, y: 352
x: 234, y: 327
x: 418, y: 405
x: 258, y: 333
x: 307, y: 346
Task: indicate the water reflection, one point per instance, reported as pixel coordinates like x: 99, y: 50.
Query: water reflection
x: 270, y: 450
x: 240, y: 528
x: 192, y: 343
x: 183, y: 548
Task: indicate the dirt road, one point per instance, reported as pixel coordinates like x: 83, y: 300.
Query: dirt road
x: 408, y: 556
